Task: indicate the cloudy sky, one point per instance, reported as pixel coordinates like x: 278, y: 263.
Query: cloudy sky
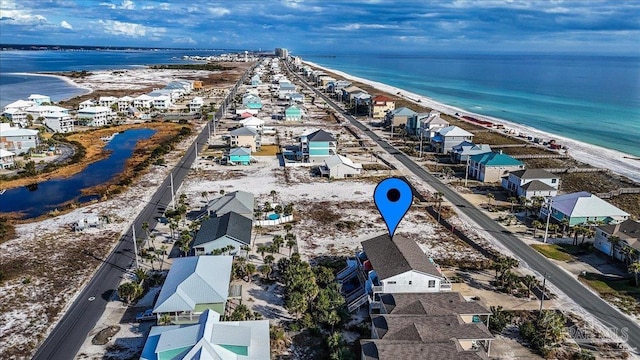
x: 325, y: 26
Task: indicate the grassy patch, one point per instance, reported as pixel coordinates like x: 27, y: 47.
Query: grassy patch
x: 621, y: 292
x: 553, y: 251
x: 267, y: 150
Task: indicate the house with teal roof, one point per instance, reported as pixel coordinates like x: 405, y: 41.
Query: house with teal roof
x: 293, y: 113
x: 251, y: 101
x: 491, y: 167
x: 209, y: 338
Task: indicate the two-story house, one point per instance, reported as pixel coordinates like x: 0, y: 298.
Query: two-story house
x: 219, y: 232
x: 531, y: 182
x: 95, y: 116
x: 582, y: 208
x: 462, y: 152
x: 380, y: 105
x: 491, y: 167
x: 17, y: 140
x: 245, y: 137
x: 58, y: 122
x: 628, y: 235
x: 446, y: 138
x: 317, y: 146
x: 399, y: 116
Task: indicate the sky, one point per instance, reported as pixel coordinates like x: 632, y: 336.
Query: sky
x: 328, y: 27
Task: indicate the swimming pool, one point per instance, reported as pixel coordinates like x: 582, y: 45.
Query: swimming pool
x: 274, y: 216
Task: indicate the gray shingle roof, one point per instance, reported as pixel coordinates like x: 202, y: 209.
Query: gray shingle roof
x: 394, y: 350
x: 240, y: 151
x: 537, y: 185
x: 320, y: 135
x: 445, y: 303
x: 392, y: 257
x: 534, y: 174
x: 240, y: 202
x: 230, y: 224
x: 189, y: 283
x: 243, y: 131
x: 428, y: 328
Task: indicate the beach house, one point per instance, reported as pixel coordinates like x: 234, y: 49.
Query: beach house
x: 399, y: 116
x: 244, y: 137
x: 124, y: 103
x: 161, y: 101
x: 582, y: 208
x: 209, y: 338
x: 627, y: 240
x: 17, y: 116
x: 39, y: 99
x: 531, y: 182
x: 239, y: 156
x: 491, y: 167
x: 143, y: 101
x: 190, y: 289
x: 219, y: 232
x: 285, y: 88
x: 430, y: 123
x: 87, y: 103
x: 17, y: 140
x: 339, y: 167
x: 107, y: 101
x: 95, y: 116
x: 380, y: 105
x: 239, y: 202
x: 196, y: 104
x: 317, y: 146
x: 462, y: 152
x: 6, y: 159
x: 19, y: 104
x: 253, y: 122
x: 446, y: 138
x: 39, y: 111
x: 58, y: 122
x: 255, y: 80
x: 293, y: 113
x: 251, y: 101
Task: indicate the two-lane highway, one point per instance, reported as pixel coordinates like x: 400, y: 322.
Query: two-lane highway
x: 616, y: 322
x: 68, y: 335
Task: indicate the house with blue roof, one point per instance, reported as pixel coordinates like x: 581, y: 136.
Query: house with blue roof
x: 491, y: 167
x: 209, y: 338
x: 251, y: 101
x: 190, y: 289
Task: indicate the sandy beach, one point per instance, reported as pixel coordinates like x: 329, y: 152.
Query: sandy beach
x: 67, y: 80
x: 597, y: 156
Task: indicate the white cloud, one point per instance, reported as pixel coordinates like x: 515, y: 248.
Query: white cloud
x: 128, y: 5
x: 357, y: 26
x: 109, y: 5
x: 120, y: 28
x: 66, y: 25
x: 21, y: 17
x: 219, y: 11
x: 184, y: 40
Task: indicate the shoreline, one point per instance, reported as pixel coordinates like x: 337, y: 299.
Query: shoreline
x: 68, y: 81
x: 617, y: 161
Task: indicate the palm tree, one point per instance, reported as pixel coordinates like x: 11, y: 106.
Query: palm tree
x: 273, y: 194
x: 184, y: 247
x: 222, y: 192
x: 536, y: 225
x: 490, y: 197
x: 269, y: 259
x: 266, y: 270
x: 288, y: 227
x: 291, y: 242
x: 164, y: 319
x: 145, y: 228
x: 614, y: 241
x: 438, y: 197
x: 635, y: 269
x: 205, y: 195
x: 250, y: 269
x: 588, y: 232
x: 130, y: 291
x: 554, y: 228
x: 141, y: 275
x: 278, y: 241
x: 512, y: 200
x: 262, y: 249
x: 564, y: 223
x: 163, y: 253
x: 628, y: 253
x: 529, y: 281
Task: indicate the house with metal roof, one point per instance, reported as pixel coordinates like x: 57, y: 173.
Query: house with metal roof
x: 491, y: 167
x: 399, y: 116
x: 251, y: 101
x: 239, y: 156
x: 219, y: 232
x: 245, y: 137
x: 628, y: 232
x: 462, y: 152
x: 209, y: 338
x: 317, y: 146
x: 446, y: 138
x: 583, y: 208
x: 433, y: 304
x: 239, y: 202
x: 380, y: 105
x: 293, y: 113
x: 253, y: 122
x: 190, y: 289
x: 17, y: 140
x: 338, y: 167
x: 531, y: 182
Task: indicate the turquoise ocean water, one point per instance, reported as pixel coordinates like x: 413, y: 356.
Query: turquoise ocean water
x: 594, y: 99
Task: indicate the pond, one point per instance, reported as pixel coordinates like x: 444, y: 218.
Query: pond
x: 38, y: 199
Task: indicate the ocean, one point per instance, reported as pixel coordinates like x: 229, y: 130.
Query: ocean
x: 594, y: 99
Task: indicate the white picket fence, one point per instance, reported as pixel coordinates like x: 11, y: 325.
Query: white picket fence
x: 281, y: 220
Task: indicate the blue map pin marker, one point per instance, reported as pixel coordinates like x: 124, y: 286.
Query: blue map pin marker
x: 393, y: 197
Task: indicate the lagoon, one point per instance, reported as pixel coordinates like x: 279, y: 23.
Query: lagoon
x: 37, y: 200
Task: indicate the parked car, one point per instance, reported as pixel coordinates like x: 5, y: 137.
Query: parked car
x: 146, y: 315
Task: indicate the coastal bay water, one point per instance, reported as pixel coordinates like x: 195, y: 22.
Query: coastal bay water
x: 594, y: 99
x: 33, y: 201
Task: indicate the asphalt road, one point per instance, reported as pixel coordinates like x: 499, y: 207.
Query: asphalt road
x: 81, y: 317
x: 617, y: 323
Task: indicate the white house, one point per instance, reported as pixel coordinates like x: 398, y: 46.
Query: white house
x: 6, y: 159
x: 162, y: 102
x: 124, y: 103
x: 59, y: 122
x: 95, y: 116
x: 143, y: 101
x: 40, y: 99
x: 19, y: 104
x: 430, y: 124
x: 17, y: 116
x: 531, y: 182
x: 628, y: 232
x: 87, y: 103
x: 253, y: 123
x: 338, y: 167
x: 285, y: 88
x: 196, y: 104
x: 41, y: 110
x: 17, y: 140
x: 107, y: 101
x: 445, y: 138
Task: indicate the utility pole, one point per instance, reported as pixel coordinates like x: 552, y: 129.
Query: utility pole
x: 420, y: 142
x: 135, y: 244
x: 208, y: 131
x: 544, y: 281
x: 195, y: 160
x: 546, y: 229
x: 466, y: 172
x: 173, y: 198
